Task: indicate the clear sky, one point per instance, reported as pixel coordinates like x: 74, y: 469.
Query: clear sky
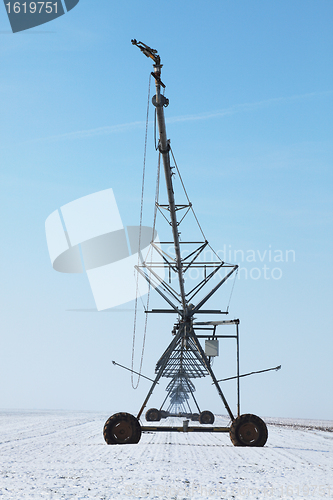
x: 250, y: 121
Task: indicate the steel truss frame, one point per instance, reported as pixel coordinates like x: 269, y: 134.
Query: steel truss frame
x: 184, y: 353
x: 184, y: 358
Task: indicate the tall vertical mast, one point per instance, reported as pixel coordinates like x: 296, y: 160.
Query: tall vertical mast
x: 164, y: 147
x: 159, y: 102
x: 184, y: 354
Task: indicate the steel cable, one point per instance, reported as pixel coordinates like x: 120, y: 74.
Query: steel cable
x: 135, y: 386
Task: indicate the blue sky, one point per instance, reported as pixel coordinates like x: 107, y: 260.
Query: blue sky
x: 250, y: 121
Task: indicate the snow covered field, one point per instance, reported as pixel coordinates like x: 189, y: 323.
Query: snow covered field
x: 62, y: 455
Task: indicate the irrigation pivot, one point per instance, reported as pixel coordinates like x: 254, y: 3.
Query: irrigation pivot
x: 185, y: 358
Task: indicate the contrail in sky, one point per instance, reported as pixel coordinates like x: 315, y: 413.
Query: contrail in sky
x: 238, y: 108
x: 245, y: 107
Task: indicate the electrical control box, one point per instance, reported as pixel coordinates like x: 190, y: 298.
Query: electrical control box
x: 212, y: 347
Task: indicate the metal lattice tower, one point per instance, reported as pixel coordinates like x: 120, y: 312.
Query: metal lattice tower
x: 184, y: 359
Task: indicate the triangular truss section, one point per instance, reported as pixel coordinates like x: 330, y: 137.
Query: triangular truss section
x: 184, y: 358
x: 179, y: 390
x: 191, y: 257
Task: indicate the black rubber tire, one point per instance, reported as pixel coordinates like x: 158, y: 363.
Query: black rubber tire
x: 248, y: 430
x: 122, y: 428
x: 195, y: 417
x: 153, y: 415
x: 206, y: 417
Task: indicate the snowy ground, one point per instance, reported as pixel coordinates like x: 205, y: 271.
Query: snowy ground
x: 62, y: 455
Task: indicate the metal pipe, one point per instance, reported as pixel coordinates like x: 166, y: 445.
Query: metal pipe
x: 166, y: 397
x: 129, y: 369
x: 163, y: 428
x: 211, y: 373
x: 160, y: 371
x: 164, y: 148
x: 251, y: 373
x: 238, y: 385
x: 195, y: 401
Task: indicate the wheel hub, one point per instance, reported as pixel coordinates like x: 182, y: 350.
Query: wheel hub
x: 248, y: 433
x: 122, y: 432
